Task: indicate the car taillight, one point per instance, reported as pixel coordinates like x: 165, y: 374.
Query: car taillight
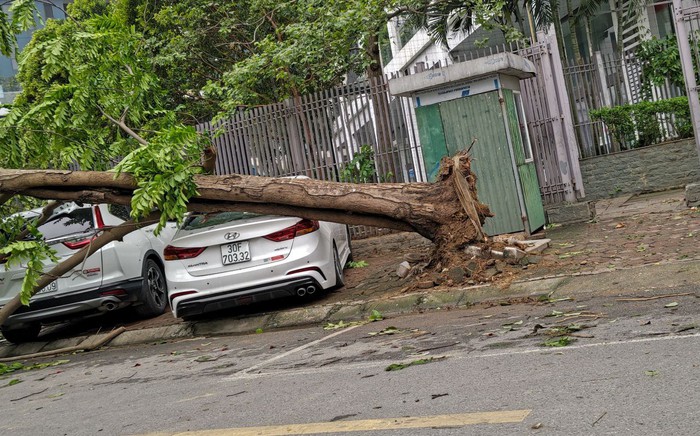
x: 98, y: 218
x: 99, y: 224
x: 303, y: 227
x: 175, y: 253
x: 75, y: 245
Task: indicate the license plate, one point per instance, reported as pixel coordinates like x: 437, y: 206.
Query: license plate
x: 235, y: 252
x: 52, y: 287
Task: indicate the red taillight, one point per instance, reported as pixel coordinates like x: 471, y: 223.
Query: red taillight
x: 301, y: 228
x: 75, y: 245
x: 99, y: 223
x: 98, y: 218
x: 175, y: 253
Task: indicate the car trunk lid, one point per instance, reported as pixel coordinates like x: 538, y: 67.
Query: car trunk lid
x: 240, y: 242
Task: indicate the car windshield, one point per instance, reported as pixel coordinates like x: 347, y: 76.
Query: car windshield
x: 199, y: 221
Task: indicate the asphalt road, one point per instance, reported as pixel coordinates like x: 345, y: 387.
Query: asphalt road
x: 630, y: 367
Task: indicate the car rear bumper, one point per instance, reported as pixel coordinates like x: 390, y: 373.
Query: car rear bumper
x: 197, y: 305
x: 62, y: 307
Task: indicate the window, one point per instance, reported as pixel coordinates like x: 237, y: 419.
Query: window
x: 120, y: 211
x: 201, y: 221
x: 48, y: 11
x: 73, y: 223
x: 522, y: 123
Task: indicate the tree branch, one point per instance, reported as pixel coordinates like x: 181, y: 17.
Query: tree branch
x: 122, y: 125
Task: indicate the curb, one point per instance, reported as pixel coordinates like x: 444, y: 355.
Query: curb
x: 626, y: 281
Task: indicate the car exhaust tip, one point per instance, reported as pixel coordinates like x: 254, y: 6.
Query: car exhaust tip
x: 310, y: 290
x: 301, y: 292
x: 109, y: 306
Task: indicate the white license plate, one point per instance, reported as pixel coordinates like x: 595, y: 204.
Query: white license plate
x: 235, y: 252
x: 52, y: 287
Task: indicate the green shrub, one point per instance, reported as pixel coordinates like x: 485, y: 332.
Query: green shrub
x: 618, y: 119
x: 361, y: 168
x: 639, y: 124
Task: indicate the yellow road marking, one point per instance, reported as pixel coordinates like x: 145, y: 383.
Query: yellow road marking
x: 436, y: 421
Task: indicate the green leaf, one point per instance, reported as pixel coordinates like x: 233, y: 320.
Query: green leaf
x: 400, y: 366
x: 358, y: 264
x: 45, y: 365
x: 559, y: 342
x: 376, y: 316
x: 5, y: 368
x: 674, y: 304
x: 14, y: 381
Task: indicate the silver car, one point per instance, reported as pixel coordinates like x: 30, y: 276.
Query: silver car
x: 122, y: 273
x: 222, y: 260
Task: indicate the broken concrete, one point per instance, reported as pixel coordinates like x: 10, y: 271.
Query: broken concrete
x: 692, y: 195
x: 403, y: 269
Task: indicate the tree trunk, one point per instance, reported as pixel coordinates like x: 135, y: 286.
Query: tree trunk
x: 109, y: 235
x: 447, y: 212
x: 421, y: 207
x: 574, y: 36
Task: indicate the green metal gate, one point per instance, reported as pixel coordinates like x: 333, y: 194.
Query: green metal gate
x: 448, y: 127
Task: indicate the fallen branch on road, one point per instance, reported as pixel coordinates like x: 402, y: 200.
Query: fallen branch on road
x: 656, y: 297
x: 96, y: 345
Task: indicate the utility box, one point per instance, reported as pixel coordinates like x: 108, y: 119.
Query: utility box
x: 478, y: 104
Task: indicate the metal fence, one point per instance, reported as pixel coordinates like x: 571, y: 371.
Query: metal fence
x: 608, y: 81
x: 318, y: 135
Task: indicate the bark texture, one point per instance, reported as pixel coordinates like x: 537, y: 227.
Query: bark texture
x: 421, y: 207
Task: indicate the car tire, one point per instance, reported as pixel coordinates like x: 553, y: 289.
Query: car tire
x: 339, y: 276
x: 26, y: 333
x: 154, y: 290
x: 350, y: 258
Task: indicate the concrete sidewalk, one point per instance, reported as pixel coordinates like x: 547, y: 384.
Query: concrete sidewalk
x: 637, y: 246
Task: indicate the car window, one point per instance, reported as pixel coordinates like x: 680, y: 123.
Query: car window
x: 120, y: 211
x: 75, y: 222
x: 200, y: 221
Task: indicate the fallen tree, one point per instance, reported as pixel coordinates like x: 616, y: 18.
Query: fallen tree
x: 440, y: 211
x: 446, y: 212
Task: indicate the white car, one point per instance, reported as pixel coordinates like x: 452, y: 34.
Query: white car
x: 122, y: 273
x: 221, y: 260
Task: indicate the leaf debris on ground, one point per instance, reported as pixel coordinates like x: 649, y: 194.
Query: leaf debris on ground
x: 400, y: 366
x: 559, y: 342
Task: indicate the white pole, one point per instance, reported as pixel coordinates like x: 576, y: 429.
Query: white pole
x: 688, y: 70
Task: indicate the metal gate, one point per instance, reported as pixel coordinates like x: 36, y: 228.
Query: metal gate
x: 687, y: 16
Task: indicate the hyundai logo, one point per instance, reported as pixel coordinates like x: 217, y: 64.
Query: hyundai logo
x: 230, y: 236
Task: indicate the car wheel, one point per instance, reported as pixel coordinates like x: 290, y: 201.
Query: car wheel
x: 339, y: 277
x: 154, y: 290
x: 26, y: 333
